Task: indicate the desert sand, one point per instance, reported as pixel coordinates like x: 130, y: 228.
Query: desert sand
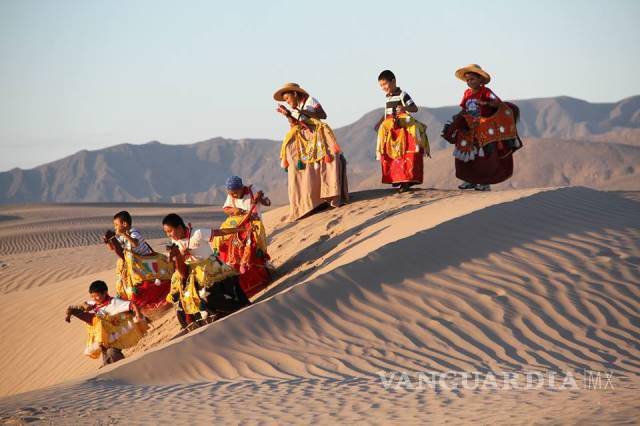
x: 431, y: 281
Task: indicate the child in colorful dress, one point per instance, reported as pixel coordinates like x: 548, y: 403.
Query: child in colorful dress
x: 402, y: 140
x: 201, y: 284
x: 129, y: 237
x: 113, y: 324
x: 481, y: 163
x: 245, y: 250
x: 142, y: 275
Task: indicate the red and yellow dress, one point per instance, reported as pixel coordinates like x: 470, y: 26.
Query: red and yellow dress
x: 484, y: 150
x: 402, y: 142
x: 245, y: 251
x: 145, y: 280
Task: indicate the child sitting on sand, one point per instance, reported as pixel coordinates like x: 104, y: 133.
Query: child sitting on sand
x: 245, y: 250
x: 113, y: 324
x: 240, y: 197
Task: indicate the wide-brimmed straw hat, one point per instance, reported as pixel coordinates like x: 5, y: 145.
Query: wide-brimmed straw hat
x: 474, y: 68
x: 288, y: 87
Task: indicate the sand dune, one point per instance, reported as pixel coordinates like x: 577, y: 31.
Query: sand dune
x: 560, y: 295
x: 518, y: 280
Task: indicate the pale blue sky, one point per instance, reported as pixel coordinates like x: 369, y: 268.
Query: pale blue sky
x: 89, y: 74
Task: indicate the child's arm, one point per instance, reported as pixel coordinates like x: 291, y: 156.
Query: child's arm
x: 133, y: 241
x: 317, y: 113
x: 401, y: 110
x: 265, y: 201
x: 285, y: 111
x: 407, y: 104
x: 232, y: 211
x: 493, y: 103
x: 136, y: 310
x: 113, y: 244
x: 490, y: 99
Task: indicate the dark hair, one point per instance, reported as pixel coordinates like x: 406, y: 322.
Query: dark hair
x: 386, y: 75
x: 173, y: 220
x: 123, y: 216
x: 98, y: 287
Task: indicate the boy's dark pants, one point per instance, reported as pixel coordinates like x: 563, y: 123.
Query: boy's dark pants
x: 227, y: 296
x: 224, y: 298
x: 111, y: 355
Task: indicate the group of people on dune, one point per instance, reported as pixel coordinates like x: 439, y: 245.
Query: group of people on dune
x: 207, y: 274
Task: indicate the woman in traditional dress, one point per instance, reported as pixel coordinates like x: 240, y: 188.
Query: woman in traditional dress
x: 316, y: 167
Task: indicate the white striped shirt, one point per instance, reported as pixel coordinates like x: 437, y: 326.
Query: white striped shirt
x: 143, y: 249
x: 400, y: 97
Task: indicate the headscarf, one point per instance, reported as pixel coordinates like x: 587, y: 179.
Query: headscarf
x: 234, y: 183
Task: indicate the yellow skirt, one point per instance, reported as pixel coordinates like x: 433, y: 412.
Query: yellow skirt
x: 394, y: 144
x: 135, y: 269
x: 318, y: 144
x: 202, y: 275
x: 118, y: 331
x: 258, y: 233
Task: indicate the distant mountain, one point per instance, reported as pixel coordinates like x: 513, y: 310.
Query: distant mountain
x: 568, y: 142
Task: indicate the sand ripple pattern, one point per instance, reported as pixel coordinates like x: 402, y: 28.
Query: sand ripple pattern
x: 547, y: 282
x: 47, y: 234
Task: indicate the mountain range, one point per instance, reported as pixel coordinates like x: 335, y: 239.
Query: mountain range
x: 567, y: 142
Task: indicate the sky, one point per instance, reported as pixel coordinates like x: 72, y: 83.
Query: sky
x: 87, y: 74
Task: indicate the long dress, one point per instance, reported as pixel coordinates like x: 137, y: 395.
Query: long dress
x: 316, y: 168
x: 484, y: 148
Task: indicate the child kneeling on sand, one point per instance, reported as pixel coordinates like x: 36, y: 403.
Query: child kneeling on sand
x: 201, y: 284
x: 244, y: 250
x: 113, y: 324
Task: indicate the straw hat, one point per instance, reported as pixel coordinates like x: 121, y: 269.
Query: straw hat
x: 475, y: 68
x: 288, y: 87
